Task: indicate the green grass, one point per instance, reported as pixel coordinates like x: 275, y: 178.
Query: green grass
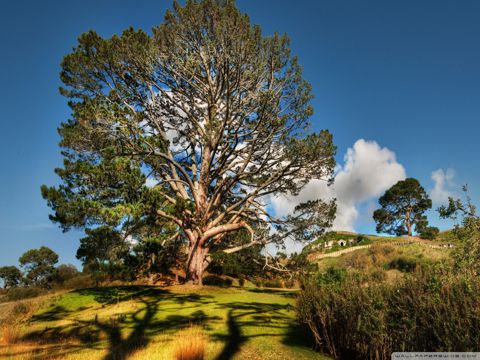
x: 141, y: 322
x: 374, y: 258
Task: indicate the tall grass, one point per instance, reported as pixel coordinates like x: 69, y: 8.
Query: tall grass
x: 9, y: 334
x: 190, y: 344
x: 430, y: 310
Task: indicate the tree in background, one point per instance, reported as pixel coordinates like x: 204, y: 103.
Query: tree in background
x: 214, y: 114
x: 102, y: 252
x: 39, y: 266
x: 66, y: 272
x: 11, y: 276
x: 467, y: 252
x: 402, y: 209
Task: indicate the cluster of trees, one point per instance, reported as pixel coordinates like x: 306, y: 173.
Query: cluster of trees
x: 38, y: 269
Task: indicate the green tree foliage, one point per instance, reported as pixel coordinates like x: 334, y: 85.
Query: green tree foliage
x: 245, y: 263
x: 11, y: 276
x: 467, y: 252
x: 103, y: 252
x: 39, y: 266
x: 207, y: 108
x: 402, y: 208
x: 428, y: 232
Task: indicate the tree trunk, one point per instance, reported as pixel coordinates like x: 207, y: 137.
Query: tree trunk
x: 196, y: 265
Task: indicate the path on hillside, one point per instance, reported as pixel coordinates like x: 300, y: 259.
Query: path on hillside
x: 319, y: 256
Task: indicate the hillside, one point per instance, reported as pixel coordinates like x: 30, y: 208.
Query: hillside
x: 337, y: 243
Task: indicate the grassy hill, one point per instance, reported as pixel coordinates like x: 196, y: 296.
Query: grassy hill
x: 142, y: 322
x: 149, y: 322
x: 330, y: 242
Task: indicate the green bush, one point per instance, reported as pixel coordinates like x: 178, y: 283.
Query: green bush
x: 331, y: 276
x: 20, y: 293
x: 429, y: 233
x: 403, y: 264
x: 428, y: 311
x: 362, y: 240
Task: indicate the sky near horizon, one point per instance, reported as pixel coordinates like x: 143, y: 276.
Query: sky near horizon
x: 396, y: 82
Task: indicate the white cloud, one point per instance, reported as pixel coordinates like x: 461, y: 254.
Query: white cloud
x: 443, y: 185
x: 29, y: 227
x: 368, y: 171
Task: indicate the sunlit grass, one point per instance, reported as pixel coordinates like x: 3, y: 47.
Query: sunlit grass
x: 135, y: 322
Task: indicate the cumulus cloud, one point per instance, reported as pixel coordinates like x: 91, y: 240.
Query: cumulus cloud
x: 368, y: 171
x: 443, y: 185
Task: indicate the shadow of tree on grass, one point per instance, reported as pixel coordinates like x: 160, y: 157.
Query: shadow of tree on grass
x: 263, y: 316
x: 141, y: 322
x: 130, y: 331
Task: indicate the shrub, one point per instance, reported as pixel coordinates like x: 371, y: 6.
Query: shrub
x: 403, y: 264
x: 429, y: 233
x: 20, y: 293
x: 378, y: 275
x: 331, y: 276
x: 362, y: 240
x: 273, y: 283
x: 20, y: 309
x: 241, y: 281
x: 428, y: 311
x: 290, y: 283
x: 79, y: 282
x: 217, y: 281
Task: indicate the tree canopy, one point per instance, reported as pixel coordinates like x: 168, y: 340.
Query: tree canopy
x: 214, y: 115
x: 11, y: 276
x: 39, y: 265
x: 402, y: 208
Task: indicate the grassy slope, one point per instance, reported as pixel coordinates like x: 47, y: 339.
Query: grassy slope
x: 139, y: 322
x: 376, y: 258
x: 315, y: 247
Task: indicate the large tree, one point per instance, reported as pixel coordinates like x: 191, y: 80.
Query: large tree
x: 402, y: 208
x: 214, y: 114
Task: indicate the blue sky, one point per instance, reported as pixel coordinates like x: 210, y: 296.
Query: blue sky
x: 402, y: 75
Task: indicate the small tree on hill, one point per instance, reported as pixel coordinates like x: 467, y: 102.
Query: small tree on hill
x: 10, y: 275
x: 402, y: 208
x: 39, y: 265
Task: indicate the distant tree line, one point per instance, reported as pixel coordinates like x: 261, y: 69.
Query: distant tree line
x: 37, y: 269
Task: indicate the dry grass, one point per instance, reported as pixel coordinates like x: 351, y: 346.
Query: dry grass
x: 10, y: 334
x: 190, y: 344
